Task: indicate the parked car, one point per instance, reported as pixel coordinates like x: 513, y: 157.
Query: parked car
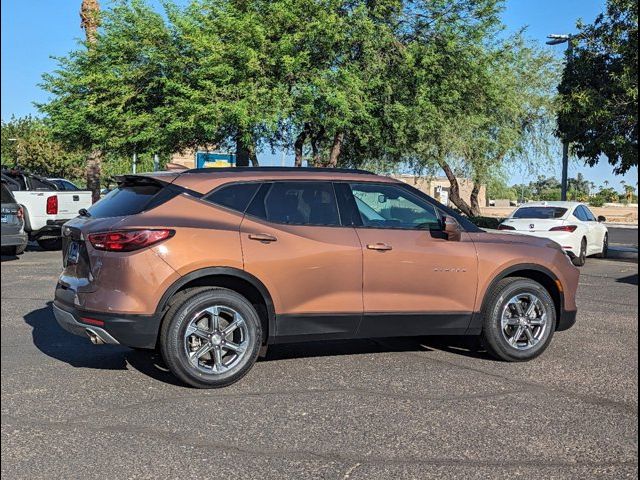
x: 64, y: 184
x: 213, y: 265
x: 45, y: 207
x: 572, y: 225
x: 14, y: 239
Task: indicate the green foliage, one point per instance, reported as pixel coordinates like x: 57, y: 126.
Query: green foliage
x: 486, y: 222
x: 497, y: 188
x: 599, y: 89
x: 27, y: 142
x: 597, y: 201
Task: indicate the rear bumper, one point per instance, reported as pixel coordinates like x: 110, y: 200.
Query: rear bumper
x: 17, y: 240
x: 138, y: 331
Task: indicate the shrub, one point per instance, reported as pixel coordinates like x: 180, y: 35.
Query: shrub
x: 486, y: 222
x: 597, y: 201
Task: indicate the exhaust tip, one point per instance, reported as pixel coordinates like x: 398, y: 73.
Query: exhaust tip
x: 93, y: 336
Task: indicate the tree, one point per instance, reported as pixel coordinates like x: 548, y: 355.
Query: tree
x: 599, y: 89
x: 33, y: 148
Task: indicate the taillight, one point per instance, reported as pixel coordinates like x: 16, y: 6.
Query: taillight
x: 505, y: 227
x: 128, y: 240
x: 564, y: 228
x: 52, y: 205
x: 20, y: 213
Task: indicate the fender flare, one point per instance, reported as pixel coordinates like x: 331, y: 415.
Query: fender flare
x: 222, y: 271
x: 519, y: 267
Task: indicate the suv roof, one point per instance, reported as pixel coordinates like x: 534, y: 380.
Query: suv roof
x: 204, y: 179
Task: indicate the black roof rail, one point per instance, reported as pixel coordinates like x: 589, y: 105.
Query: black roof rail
x: 277, y: 169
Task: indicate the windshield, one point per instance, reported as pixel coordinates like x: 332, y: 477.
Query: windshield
x: 125, y: 200
x: 540, y: 212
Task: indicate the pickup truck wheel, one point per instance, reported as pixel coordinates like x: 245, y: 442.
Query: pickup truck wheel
x: 50, y: 243
x: 519, y: 319
x: 211, y: 338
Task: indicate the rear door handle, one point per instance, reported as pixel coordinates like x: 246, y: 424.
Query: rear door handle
x: 383, y: 247
x: 262, y: 237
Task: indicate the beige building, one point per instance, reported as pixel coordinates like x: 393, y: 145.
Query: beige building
x: 438, y: 188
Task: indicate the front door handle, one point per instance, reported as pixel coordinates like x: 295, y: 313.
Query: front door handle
x: 382, y: 247
x: 262, y: 237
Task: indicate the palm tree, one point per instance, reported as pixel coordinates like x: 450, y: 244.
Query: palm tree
x: 90, y: 21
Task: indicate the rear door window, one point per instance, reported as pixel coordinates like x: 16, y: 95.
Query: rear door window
x: 125, y: 200
x: 236, y: 196
x: 297, y: 203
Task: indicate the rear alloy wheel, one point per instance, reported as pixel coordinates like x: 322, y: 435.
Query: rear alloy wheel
x: 605, y: 247
x: 519, y: 320
x: 581, y: 259
x: 212, y: 338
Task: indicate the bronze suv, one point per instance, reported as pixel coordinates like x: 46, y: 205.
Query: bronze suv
x: 210, y: 266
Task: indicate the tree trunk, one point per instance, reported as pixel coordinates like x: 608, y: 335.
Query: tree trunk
x: 298, y: 146
x: 93, y: 172
x: 475, y: 206
x: 454, y: 191
x: 335, y: 149
x: 90, y: 21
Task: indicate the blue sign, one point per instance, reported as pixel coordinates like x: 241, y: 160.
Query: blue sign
x: 215, y: 160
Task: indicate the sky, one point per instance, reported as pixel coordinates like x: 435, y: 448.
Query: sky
x: 34, y: 30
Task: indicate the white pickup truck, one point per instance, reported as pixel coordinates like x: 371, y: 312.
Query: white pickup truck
x: 45, y: 207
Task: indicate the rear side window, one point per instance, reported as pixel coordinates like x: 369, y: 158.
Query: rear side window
x: 125, y: 200
x: 236, y: 197
x: 7, y: 197
x: 540, y: 212
x: 297, y: 203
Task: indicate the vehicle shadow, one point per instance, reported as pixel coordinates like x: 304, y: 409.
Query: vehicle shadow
x: 79, y: 352
x: 631, y: 279
x: 8, y: 258
x: 460, y: 345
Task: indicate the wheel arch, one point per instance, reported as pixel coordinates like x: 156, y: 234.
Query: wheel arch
x: 233, y: 278
x: 537, y: 273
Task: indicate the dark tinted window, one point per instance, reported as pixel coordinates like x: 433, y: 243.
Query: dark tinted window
x: 7, y: 197
x: 388, y: 206
x: 235, y: 197
x: 540, y: 212
x: 590, y: 216
x: 580, y: 214
x: 127, y: 200
x: 298, y: 203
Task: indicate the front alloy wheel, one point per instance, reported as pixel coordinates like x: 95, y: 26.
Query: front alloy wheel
x: 519, y: 319
x: 524, y: 321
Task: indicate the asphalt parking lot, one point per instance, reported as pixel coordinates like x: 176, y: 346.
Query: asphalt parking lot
x: 393, y: 408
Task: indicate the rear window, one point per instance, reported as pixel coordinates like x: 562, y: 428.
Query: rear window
x: 540, y: 212
x: 7, y: 197
x: 125, y: 200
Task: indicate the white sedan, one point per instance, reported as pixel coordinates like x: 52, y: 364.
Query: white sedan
x: 570, y: 224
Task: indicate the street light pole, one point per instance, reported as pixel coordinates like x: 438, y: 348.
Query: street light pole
x: 557, y: 40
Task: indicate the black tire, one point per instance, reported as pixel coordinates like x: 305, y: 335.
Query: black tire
x: 176, y: 321
x: 20, y: 249
x: 605, y: 247
x: 496, y: 301
x: 581, y: 259
x: 50, y: 243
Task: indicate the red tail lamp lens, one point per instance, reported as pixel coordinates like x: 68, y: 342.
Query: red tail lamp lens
x: 52, y: 205
x: 128, y: 240
x: 564, y: 228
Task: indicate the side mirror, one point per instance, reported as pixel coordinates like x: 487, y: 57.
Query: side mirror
x: 602, y: 218
x: 451, y: 229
